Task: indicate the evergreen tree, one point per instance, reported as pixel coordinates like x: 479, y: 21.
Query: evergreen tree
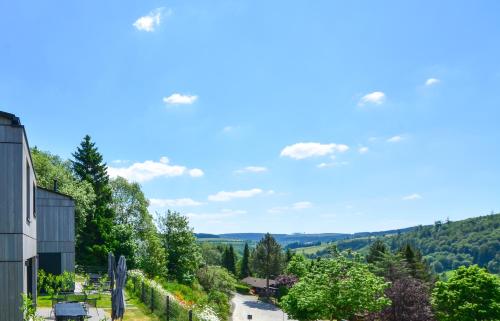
x: 376, y: 252
x: 96, y: 239
x: 288, y: 255
x: 229, y: 259
x: 419, y: 269
x: 267, y: 259
x: 245, y: 263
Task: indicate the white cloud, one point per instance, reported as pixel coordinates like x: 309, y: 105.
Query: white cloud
x: 224, y: 196
x: 294, y: 207
x: 252, y: 169
x: 180, y: 99
x: 152, y: 20
x: 196, y: 172
x: 306, y: 150
x: 120, y: 161
x: 227, y: 129
x: 148, y: 170
x: 412, y: 197
x: 332, y: 164
x: 395, y: 139
x: 301, y: 205
x: 225, y: 213
x: 432, y: 81
x: 363, y: 150
x: 376, y: 98
x: 178, y: 202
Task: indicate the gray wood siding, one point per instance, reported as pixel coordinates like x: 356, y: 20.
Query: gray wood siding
x: 12, y: 284
x: 68, y: 262
x: 17, y: 236
x: 11, y: 188
x: 56, y: 226
x: 11, y: 248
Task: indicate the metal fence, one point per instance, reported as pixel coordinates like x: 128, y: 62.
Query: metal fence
x: 158, y: 302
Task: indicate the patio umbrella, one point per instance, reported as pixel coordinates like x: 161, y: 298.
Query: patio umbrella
x: 111, y: 270
x: 118, y: 299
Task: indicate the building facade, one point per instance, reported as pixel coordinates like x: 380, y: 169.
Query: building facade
x: 55, y: 231
x: 37, y: 226
x: 18, y: 219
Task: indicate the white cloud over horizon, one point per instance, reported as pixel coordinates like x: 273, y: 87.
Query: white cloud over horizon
x: 412, y: 197
x: 375, y: 98
x: 180, y: 99
x: 148, y: 170
x: 224, y: 196
x: 152, y: 20
x: 178, y: 202
x: 297, y: 206
x: 211, y: 216
x: 312, y: 149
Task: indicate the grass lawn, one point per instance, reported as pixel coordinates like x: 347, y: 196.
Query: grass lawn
x: 136, y: 311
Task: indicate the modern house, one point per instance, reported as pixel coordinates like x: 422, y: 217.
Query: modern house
x: 55, y: 231
x: 21, y: 217
x: 258, y: 285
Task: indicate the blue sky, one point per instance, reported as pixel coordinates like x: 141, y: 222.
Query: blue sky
x: 280, y: 116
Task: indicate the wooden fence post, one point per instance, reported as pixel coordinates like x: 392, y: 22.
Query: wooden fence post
x: 190, y: 315
x: 168, y: 308
x: 152, y: 300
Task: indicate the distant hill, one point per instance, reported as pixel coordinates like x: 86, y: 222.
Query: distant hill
x: 445, y: 245
x: 285, y: 239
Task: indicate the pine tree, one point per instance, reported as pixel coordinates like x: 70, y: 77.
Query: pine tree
x: 419, y: 269
x: 96, y: 239
x: 376, y: 252
x: 245, y: 263
x: 288, y: 255
x: 267, y: 259
x: 229, y: 259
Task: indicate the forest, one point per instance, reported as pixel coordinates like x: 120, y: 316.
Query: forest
x: 445, y: 245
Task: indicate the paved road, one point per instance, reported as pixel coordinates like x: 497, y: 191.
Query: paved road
x: 260, y: 311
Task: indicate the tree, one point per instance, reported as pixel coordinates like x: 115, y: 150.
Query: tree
x: 182, y: 252
x: 211, y: 254
x: 376, y: 251
x: 216, y: 278
x: 152, y: 257
x: 298, y: 266
x: 267, y: 259
x: 245, y: 263
x: 96, y: 235
x: 419, y: 269
x: 133, y: 231
x: 409, y: 302
x: 50, y: 168
x: 470, y: 294
x: 288, y: 255
x: 229, y: 259
x: 336, y: 289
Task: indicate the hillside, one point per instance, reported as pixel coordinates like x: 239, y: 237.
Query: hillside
x: 445, y: 245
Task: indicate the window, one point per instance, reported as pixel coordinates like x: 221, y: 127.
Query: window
x: 28, y: 192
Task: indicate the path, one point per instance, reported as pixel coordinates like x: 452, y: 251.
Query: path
x: 260, y: 311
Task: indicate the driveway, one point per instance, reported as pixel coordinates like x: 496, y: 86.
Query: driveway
x: 245, y: 305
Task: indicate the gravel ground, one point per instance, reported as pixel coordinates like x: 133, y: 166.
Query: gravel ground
x: 245, y: 305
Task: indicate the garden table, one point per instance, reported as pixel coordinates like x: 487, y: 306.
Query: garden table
x: 69, y: 311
